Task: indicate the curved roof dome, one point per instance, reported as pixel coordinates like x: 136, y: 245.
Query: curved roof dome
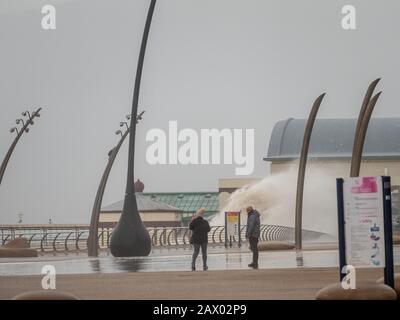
x: 139, y: 186
x: 333, y: 139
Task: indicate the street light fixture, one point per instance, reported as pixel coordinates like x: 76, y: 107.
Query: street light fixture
x: 139, y: 117
x: 26, y: 113
x: 15, y: 129
x: 122, y: 123
x: 20, y: 132
x: 19, y: 121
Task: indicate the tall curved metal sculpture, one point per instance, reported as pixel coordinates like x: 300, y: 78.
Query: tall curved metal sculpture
x: 359, y: 145
x: 130, y: 237
x: 302, y: 171
x: 94, y: 221
x: 356, y: 156
x: 92, y: 242
x: 24, y: 128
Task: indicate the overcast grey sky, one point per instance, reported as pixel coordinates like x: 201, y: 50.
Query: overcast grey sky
x: 209, y: 64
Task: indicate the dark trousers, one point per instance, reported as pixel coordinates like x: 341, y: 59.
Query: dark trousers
x: 254, y: 248
x: 197, y: 247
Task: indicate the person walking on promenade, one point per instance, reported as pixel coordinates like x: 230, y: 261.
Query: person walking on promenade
x: 253, y: 233
x: 200, y: 229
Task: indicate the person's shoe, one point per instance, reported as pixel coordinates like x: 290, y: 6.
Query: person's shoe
x: 254, y: 266
x: 205, y: 268
x: 193, y: 268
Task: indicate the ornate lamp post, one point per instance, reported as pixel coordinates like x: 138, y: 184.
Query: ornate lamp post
x: 130, y: 237
x: 25, y: 128
x: 94, y: 222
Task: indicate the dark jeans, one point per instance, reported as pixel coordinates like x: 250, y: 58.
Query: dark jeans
x: 197, y: 247
x: 254, y: 248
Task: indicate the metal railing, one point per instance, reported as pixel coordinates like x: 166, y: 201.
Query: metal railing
x: 75, y: 239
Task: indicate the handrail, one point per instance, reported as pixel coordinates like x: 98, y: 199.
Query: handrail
x: 161, y: 237
x: 154, y: 237
x: 213, y: 235
x: 108, y: 239
x: 66, y: 241
x: 54, y: 241
x: 41, y: 241
x: 100, y: 235
x: 5, y: 239
x: 168, y: 237
x: 220, y: 234
x: 184, y: 236
x: 30, y: 239
x: 77, y: 240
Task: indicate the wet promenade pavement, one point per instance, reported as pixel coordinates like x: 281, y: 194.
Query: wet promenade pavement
x: 165, y: 259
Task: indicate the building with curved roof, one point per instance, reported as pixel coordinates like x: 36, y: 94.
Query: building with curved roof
x: 331, y: 146
x: 332, y: 139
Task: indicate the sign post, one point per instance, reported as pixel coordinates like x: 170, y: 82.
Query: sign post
x: 226, y: 230
x: 232, y: 227
x: 388, y: 230
x: 342, y: 246
x: 365, y: 224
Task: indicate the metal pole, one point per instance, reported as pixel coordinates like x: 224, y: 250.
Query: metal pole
x: 94, y: 222
x: 226, y: 231
x: 12, y: 147
x: 342, y: 244
x: 366, y: 101
x: 130, y: 237
x: 302, y: 169
x: 239, y: 231
x: 388, y: 229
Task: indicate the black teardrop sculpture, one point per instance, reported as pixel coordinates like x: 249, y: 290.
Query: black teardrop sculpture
x: 130, y: 237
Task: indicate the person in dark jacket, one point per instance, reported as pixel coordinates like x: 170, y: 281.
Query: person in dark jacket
x: 253, y: 233
x: 200, y: 228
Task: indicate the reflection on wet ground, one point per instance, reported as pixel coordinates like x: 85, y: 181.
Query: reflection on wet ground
x: 172, y: 260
